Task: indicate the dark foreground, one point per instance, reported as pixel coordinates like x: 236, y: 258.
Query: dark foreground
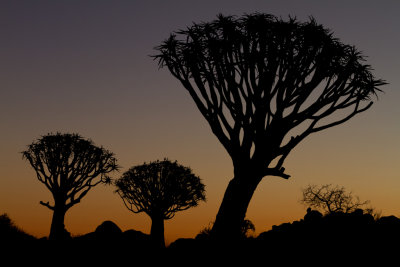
x: 335, y: 238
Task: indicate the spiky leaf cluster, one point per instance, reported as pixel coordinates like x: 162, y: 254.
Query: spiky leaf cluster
x: 69, y: 166
x: 160, y: 187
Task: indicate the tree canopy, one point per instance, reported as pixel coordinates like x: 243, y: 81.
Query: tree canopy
x: 264, y: 84
x: 160, y: 187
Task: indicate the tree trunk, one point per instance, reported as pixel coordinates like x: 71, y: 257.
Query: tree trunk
x: 157, y: 230
x: 232, y: 212
x: 57, y: 230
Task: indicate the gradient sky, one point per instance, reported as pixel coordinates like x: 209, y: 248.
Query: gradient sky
x: 84, y: 67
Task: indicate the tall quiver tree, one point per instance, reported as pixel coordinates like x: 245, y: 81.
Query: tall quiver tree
x: 69, y: 166
x: 160, y: 189
x: 264, y: 84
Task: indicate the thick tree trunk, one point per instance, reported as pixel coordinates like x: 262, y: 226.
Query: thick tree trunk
x: 232, y: 212
x: 157, y: 230
x: 57, y: 230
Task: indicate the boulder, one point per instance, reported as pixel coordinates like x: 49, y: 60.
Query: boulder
x: 108, y: 230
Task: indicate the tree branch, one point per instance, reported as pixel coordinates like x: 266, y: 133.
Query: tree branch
x: 356, y: 111
x: 47, y: 204
x: 276, y: 172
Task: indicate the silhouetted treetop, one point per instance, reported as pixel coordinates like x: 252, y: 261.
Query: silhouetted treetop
x: 161, y: 186
x: 71, y: 163
x: 257, y: 74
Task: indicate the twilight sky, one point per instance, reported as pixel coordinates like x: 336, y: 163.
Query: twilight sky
x: 84, y: 67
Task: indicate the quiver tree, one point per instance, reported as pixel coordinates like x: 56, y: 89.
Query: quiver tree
x: 160, y: 189
x: 263, y: 85
x: 69, y: 166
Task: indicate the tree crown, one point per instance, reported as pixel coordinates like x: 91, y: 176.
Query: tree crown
x: 264, y: 84
x: 160, y: 188
x: 69, y: 165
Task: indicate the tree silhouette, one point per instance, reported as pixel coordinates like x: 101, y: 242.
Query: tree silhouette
x: 331, y: 199
x: 160, y: 189
x: 263, y: 85
x: 69, y: 166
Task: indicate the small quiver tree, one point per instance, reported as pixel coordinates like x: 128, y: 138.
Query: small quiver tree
x: 160, y: 189
x: 69, y: 166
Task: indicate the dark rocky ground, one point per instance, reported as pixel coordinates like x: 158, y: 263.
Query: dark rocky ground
x: 332, y: 237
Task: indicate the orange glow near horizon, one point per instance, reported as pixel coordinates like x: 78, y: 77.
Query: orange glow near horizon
x: 275, y: 200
